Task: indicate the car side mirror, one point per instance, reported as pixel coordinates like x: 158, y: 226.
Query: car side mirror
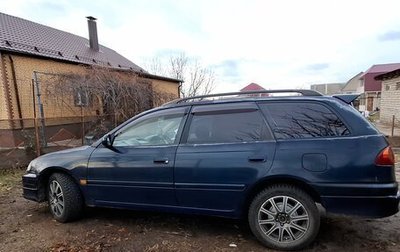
x: 108, y: 140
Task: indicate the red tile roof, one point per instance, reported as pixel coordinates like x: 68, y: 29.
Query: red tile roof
x: 381, y: 68
x: 370, y: 83
x: 252, y: 87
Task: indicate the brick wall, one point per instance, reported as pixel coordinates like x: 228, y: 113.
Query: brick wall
x: 170, y: 89
x: 24, y: 67
x: 390, y: 100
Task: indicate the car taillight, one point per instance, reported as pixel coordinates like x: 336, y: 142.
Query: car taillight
x: 385, y: 157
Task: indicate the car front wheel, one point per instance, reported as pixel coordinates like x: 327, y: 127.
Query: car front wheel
x: 284, y: 217
x: 65, y: 199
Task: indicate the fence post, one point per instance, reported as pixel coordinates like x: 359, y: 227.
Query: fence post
x: 35, y: 120
x: 393, y: 121
x: 83, y: 126
x: 40, y: 107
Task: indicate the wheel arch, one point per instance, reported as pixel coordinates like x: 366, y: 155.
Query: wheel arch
x: 44, y: 178
x: 266, y: 182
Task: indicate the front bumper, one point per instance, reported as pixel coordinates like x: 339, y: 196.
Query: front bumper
x: 32, y: 188
x: 366, y: 200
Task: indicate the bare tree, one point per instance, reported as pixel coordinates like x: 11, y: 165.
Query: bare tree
x: 197, y: 79
x: 155, y: 66
x: 201, y: 81
x: 120, y: 94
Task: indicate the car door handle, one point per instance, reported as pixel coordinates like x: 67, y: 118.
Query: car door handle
x: 161, y: 161
x: 257, y: 159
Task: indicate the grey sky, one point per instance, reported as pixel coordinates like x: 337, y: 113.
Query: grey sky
x: 277, y: 44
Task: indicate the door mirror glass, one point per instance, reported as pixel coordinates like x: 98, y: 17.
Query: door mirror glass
x: 108, y: 140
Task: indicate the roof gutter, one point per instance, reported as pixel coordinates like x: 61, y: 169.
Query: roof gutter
x: 157, y: 77
x: 142, y: 74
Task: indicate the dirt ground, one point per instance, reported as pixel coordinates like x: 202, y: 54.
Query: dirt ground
x: 28, y: 226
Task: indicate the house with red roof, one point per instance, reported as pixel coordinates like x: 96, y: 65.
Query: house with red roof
x: 254, y: 87
x: 371, y: 87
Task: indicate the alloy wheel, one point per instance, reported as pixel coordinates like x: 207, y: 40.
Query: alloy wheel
x: 56, y: 198
x: 283, y: 219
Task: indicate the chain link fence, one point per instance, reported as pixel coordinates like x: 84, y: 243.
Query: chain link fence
x: 62, y: 111
x: 19, y: 146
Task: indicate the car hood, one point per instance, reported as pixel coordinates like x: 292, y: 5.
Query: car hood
x: 68, y: 159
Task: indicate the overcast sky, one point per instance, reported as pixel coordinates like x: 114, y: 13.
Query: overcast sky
x: 277, y: 44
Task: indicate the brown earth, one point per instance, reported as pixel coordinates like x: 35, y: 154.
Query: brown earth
x: 28, y: 226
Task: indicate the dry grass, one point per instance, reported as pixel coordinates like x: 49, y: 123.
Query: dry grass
x: 10, y: 178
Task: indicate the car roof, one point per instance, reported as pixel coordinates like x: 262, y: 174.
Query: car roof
x: 252, y: 96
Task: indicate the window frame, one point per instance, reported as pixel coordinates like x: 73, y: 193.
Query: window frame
x: 270, y: 121
x: 225, y: 108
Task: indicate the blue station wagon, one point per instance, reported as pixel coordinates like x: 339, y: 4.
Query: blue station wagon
x: 267, y: 158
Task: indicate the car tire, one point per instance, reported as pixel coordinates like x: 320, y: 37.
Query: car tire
x: 284, y: 217
x: 64, y: 198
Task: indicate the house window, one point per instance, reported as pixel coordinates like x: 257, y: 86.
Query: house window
x: 81, y: 98
x: 398, y: 86
x: 387, y: 87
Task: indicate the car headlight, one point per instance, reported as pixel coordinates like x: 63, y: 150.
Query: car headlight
x: 29, y: 167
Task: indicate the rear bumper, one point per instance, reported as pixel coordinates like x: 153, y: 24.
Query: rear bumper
x: 32, y: 189
x: 367, y: 200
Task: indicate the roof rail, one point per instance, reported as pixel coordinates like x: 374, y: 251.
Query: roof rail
x: 304, y: 92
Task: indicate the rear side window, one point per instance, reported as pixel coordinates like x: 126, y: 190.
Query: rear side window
x: 303, y: 120
x: 227, y: 127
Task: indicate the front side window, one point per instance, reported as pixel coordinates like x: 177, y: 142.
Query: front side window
x: 303, y: 120
x: 157, y: 130
x: 227, y: 127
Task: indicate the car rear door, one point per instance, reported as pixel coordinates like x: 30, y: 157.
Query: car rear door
x: 224, y: 149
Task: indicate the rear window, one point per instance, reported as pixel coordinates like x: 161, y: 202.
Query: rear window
x: 303, y: 120
x: 227, y: 128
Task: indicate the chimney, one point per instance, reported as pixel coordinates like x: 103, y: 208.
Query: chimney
x: 93, y: 41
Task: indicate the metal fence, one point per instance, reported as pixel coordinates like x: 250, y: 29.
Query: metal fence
x: 395, y: 126
x: 19, y: 146
x: 64, y: 111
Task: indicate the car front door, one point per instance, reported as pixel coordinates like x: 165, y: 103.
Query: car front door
x: 138, y: 169
x: 225, y: 149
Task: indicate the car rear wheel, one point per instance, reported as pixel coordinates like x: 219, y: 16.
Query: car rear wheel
x: 65, y: 199
x: 284, y: 217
